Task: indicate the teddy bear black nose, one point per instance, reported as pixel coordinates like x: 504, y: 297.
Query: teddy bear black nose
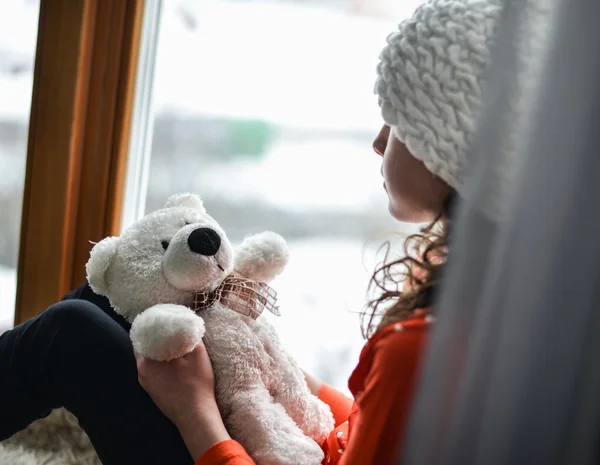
x: 204, y: 241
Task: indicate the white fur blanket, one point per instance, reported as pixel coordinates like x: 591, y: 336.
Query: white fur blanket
x: 55, y: 440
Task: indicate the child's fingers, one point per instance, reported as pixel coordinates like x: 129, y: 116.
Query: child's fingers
x: 139, y: 361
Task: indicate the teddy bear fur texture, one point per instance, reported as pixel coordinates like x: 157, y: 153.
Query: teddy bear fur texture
x: 151, y: 273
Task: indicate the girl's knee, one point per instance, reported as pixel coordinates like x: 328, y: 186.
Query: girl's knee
x: 73, y: 308
x: 82, y: 324
x: 73, y: 312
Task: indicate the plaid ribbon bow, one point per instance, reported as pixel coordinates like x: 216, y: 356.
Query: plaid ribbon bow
x: 245, y: 296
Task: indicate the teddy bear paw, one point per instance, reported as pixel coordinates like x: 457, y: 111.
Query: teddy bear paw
x: 166, y: 332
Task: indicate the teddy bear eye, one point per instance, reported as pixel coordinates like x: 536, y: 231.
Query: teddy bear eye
x: 165, y: 244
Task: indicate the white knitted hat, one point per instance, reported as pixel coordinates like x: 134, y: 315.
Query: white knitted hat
x: 430, y: 78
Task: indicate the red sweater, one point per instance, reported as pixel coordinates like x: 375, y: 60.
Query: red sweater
x: 368, y: 429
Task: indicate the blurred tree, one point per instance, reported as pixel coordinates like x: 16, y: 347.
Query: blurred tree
x: 249, y: 137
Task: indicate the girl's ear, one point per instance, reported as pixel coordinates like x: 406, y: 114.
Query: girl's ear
x: 101, y: 257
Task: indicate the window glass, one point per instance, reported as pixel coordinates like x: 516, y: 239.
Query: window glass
x: 18, y: 35
x: 266, y: 109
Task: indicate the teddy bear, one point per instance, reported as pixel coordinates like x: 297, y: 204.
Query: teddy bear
x: 178, y: 279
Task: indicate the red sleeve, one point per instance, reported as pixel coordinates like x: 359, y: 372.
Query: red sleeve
x: 384, y: 404
x: 228, y: 452
x: 339, y: 404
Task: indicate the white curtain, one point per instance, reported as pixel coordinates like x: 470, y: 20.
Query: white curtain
x: 512, y: 372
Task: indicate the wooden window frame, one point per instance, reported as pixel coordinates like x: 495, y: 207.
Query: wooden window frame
x: 82, y: 105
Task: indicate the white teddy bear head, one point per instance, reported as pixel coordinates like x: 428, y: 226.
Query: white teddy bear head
x: 169, y: 255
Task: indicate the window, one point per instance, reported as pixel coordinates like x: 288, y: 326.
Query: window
x: 18, y: 33
x: 266, y: 109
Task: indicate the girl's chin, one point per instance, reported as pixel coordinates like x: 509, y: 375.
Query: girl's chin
x: 398, y: 214
x: 408, y: 215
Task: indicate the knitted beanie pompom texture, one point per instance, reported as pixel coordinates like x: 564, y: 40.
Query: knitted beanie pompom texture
x: 430, y: 78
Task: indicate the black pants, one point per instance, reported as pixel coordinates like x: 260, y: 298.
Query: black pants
x: 77, y: 354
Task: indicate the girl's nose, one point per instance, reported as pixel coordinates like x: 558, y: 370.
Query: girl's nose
x: 380, y: 141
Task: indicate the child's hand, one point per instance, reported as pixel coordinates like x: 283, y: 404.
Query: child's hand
x: 184, y: 390
x: 181, y: 387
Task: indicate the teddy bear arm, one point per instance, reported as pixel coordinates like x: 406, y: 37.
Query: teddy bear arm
x: 166, y: 331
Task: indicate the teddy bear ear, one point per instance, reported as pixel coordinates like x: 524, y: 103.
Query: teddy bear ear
x: 100, y: 259
x: 186, y: 200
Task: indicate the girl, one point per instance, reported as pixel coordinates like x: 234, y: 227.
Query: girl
x: 77, y: 353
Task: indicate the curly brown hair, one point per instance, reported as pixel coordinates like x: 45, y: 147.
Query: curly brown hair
x: 418, y: 272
